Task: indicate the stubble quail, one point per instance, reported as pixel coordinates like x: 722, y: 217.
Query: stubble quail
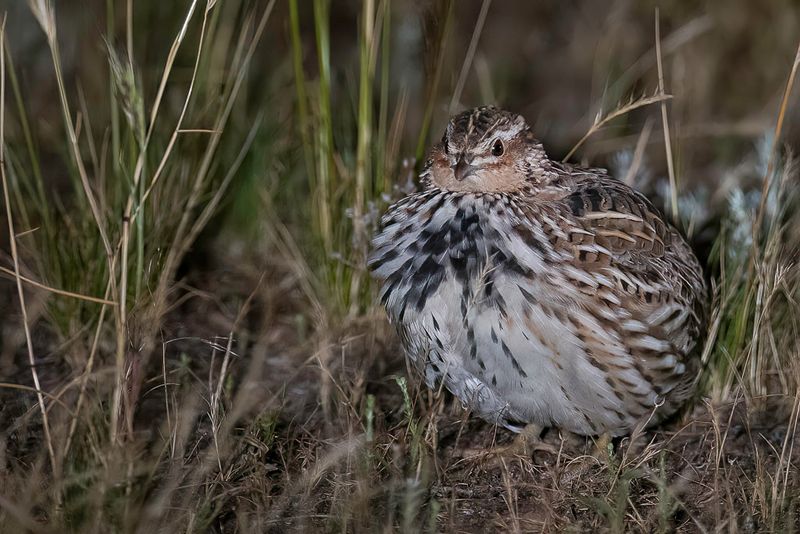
x: 539, y: 292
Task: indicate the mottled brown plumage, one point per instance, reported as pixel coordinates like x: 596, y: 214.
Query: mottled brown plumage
x: 539, y: 292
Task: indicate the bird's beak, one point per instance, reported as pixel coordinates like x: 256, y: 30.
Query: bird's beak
x: 462, y: 169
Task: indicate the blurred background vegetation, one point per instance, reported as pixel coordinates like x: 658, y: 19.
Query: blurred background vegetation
x: 208, y: 173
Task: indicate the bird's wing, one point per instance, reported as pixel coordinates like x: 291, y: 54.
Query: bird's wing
x: 642, y: 278
x: 613, y: 228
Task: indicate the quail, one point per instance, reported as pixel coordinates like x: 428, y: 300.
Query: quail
x: 539, y: 292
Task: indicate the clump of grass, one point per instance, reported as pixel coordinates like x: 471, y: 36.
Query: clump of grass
x: 758, y: 281
x: 112, y: 249
x: 338, y: 211
x: 351, y: 151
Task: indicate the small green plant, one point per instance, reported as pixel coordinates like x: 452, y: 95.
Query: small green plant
x: 614, y: 507
x: 413, y: 428
x: 667, y: 504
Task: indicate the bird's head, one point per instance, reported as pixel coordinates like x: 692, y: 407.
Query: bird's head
x: 486, y: 149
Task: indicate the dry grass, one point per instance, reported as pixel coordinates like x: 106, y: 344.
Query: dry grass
x: 190, y: 339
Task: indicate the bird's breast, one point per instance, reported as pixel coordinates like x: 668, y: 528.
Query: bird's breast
x: 463, y: 240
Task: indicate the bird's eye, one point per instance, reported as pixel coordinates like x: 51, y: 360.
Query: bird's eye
x: 497, y: 148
